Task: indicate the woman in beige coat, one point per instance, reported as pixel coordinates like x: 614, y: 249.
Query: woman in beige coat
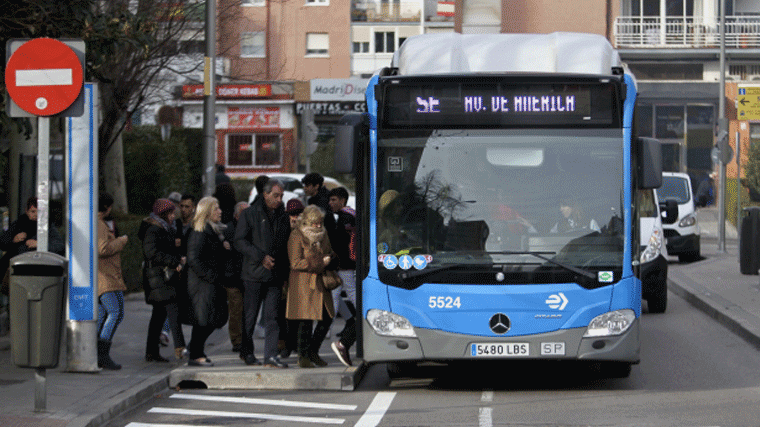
x: 310, y: 254
x: 111, y: 285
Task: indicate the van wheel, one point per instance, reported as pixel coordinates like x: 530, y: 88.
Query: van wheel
x: 689, y: 256
x: 658, y: 300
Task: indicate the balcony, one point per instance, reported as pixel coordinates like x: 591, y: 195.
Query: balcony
x: 380, y: 11
x: 685, y: 32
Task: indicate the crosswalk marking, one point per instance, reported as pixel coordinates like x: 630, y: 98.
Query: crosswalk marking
x: 287, y: 418
x: 134, y: 424
x: 253, y: 401
x: 376, y: 410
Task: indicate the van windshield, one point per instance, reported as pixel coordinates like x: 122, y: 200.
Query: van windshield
x: 676, y: 188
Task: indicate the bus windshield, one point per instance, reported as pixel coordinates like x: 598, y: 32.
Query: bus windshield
x: 488, y: 197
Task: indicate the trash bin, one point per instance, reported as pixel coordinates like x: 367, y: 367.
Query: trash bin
x: 749, y: 241
x: 36, y: 308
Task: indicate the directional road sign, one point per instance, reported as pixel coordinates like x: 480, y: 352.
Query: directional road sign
x: 44, y: 76
x: 748, y: 103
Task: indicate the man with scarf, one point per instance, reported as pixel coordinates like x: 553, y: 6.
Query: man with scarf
x: 21, y: 237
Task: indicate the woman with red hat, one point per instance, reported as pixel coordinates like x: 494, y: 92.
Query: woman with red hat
x: 160, y: 277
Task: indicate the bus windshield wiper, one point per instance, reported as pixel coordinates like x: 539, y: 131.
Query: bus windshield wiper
x: 576, y: 270
x: 412, y: 274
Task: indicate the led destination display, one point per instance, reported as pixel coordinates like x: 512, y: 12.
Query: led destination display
x: 498, y: 104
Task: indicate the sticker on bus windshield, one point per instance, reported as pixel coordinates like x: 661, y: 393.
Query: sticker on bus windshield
x: 382, y: 248
x: 605, y: 277
x: 420, y: 262
x: 405, y: 262
x: 390, y: 262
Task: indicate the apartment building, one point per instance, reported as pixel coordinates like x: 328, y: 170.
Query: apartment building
x: 673, y: 49
x: 318, y: 54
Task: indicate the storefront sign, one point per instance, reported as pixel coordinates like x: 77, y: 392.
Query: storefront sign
x: 229, y: 91
x: 253, y: 118
x: 338, y: 89
x: 332, y: 108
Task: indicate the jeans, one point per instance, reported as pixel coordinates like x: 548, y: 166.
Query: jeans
x: 110, y: 314
x: 160, y: 312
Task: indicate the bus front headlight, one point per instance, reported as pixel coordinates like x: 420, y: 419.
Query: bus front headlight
x: 610, y: 324
x: 653, y: 248
x: 390, y: 324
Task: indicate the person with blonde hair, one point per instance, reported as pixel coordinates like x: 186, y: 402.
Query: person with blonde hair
x: 207, y: 253
x: 310, y: 257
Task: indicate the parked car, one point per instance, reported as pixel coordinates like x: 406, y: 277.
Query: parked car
x: 294, y: 188
x: 682, y: 236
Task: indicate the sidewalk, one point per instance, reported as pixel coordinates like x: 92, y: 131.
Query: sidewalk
x: 92, y: 399
x: 713, y: 284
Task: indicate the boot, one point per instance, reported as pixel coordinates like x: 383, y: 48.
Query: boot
x: 304, y: 362
x: 104, y: 358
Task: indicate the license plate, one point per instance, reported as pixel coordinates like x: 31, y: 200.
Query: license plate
x: 513, y: 349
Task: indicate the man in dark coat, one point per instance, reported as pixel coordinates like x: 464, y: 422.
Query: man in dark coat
x: 262, y: 271
x: 317, y: 193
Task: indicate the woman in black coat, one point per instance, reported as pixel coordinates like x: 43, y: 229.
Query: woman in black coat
x: 207, y: 254
x: 161, y: 277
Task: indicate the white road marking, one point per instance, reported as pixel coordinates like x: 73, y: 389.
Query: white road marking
x: 487, y: 396
x: 133, y: 424
x: 485, y: 417
x: 45, y: 77
x: 196, y: 412
x: 376, y: 410
x: 252, y: 401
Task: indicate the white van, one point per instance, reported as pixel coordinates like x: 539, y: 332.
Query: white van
x: 682, y: 235
x: 653, y: 266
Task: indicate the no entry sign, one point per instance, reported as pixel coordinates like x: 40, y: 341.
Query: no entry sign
x: 44, y: 76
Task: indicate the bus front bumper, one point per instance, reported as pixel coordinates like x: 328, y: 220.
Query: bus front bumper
x: 566, y: 344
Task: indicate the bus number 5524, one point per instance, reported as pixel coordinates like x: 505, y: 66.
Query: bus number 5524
x: 444, y: 302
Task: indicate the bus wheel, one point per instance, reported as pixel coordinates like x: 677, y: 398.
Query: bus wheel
x: 616, y: 369
x: 401, y: 369
x: 658, y: 300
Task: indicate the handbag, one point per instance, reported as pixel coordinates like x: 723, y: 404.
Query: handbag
x: 331, y: 280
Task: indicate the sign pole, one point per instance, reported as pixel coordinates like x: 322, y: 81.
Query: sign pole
x: 43, y: 182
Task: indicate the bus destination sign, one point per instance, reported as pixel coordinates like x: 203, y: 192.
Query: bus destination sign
x: 499, y: 104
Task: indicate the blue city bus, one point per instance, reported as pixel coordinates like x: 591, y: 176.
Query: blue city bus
x: 497, y: 178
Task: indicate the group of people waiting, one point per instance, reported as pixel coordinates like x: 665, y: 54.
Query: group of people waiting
x: 287, y: 263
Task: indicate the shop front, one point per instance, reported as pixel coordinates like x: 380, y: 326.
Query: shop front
x: 254, y: 127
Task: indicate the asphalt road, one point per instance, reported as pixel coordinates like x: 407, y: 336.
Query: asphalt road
x: 693, y: 372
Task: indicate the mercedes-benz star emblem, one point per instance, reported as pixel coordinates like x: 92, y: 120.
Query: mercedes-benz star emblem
x: 499, y: 323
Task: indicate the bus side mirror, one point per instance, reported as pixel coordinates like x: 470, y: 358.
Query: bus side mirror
x: 352, y: 130
x: 649, y: 154
x: 669, y: 210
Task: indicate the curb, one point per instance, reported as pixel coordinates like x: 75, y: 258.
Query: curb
x: 728, y: 314
x: 126, y: 401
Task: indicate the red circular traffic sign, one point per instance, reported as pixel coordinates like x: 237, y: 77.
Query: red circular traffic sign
x: 44, y: 76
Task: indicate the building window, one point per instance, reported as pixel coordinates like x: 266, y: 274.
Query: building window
x: 318, y: 2
x: 361, y: 47
x: 754, y: 134
x: 252, y: 2
x: 254, y: 150
x: 667, y: 71
x: 253, y: 44
x: 385, y: 42
x: 317, y: 44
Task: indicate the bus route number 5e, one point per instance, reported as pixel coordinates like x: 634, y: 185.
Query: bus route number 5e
x: 444, y: 302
